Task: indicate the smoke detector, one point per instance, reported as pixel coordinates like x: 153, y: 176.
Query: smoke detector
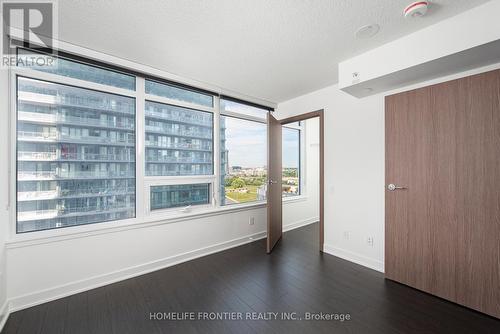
x: 416, y: 9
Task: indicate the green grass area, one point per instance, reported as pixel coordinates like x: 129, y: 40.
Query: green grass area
x: 249, y: 196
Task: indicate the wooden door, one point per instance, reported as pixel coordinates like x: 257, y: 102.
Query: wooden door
x: 274, y: 199
x: 443, y: 231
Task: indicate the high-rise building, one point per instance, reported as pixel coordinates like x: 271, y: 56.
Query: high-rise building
x: 179, y: 141
x: 76, y: 156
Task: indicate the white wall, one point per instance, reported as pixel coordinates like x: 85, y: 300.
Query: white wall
x: 354, y: 167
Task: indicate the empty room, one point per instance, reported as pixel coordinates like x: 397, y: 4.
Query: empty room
x: 250, y: 166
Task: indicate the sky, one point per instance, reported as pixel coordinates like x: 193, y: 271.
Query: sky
x: 247, y: 144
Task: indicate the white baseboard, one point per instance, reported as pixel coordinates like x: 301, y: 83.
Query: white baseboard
x: 354, y: 257
x: 4, y: 314
x: 61, y: 291
x: 300, y: 223
x: 43, y: 296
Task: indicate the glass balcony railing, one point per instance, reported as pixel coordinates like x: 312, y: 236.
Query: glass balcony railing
x: 83, y: 102
x: 77, y: 192
x: 51, y: 175
x: 178, y: 160
x: 33, y: 135
x: 37, y: 195
x: 181, y: 133
x: 155, y: 144
x: 179, y: 118
x: 97, y: 157
x: 161, y: 172
x: 37, y: 214
x: 61, y: 212
x: 55, y: 136
x: 85, y: 121
x: 36, y: 155
x: 53, y: 156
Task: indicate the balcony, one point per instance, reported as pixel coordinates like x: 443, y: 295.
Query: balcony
x: 179, y: 133
x: 37, y: 195
x: 182, y: 146
x: 35, y: 215
x: 97, y: 157
x: 82, y: 102
x: 23, y: 216
x: 53, y: 156
x: 27, y: 116
x: 178, y: 118
x: 36, y: 156
x: 73, y: 193
x: 177, y: 160
x: 71, y: 138
x: 53, y: 175
x: 177, y: 173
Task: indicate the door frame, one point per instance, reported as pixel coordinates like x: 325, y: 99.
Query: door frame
x: 313, y: 114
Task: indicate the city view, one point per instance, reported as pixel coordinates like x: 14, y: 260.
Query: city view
x: 244, y: 157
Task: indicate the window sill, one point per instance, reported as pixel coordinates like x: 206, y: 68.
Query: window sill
x: 82, y: 231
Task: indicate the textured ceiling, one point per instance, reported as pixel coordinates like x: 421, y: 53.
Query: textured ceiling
x: 270, y: 49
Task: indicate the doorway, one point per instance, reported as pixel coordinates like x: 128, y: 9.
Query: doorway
x: 274, y: 193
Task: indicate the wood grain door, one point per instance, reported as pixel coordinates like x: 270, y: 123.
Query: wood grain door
x: 274, y: 175
x: 443, y: 231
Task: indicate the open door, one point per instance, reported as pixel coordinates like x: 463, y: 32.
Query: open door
x: 274, y: 199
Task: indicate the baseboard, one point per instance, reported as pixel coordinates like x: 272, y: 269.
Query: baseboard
x: 61, y: 291
x: 43, y: 296
x: 354, y: 257
x: 300, y: 223
x: 4, y: 314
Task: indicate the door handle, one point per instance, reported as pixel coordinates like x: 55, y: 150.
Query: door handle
x: 392, y: 187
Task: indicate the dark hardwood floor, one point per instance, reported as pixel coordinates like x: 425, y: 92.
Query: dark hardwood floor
x: 294, y: 278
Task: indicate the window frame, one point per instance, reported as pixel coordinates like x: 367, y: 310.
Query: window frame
x: 246, y: 118
x: 143, y: 217
x: 302, y: 165
x: 151, y: 180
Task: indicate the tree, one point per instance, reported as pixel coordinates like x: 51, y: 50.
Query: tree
x: 238, y: 183
x: 228, y: 181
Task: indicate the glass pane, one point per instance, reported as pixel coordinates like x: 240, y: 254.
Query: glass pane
x: 75, y: 156
x: 291, y: 162
x: 243, y: 109
x: 179, y: 141
x: 73, y: 69
x: 171, y: 196
x: 178, y: 93
x: 243, y: 160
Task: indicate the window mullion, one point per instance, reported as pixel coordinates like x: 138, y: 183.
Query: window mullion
x: 141, y: 205
x: 217, y: 154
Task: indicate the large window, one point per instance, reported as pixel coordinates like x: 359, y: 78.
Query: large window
x: 179, y: 146
x: 78, y: 138
x: 291, y: 160
x: 178, y: 140
x: 75, y: 156
x: 243, y: 147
